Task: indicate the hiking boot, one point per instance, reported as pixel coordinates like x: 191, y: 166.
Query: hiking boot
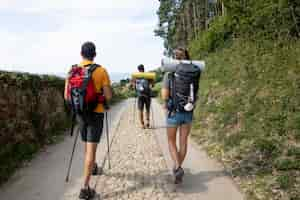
x: 87, y: 193
x: 178, y: 173
x: 174, y: 170
x: 147, y: 125
x: 95, y: 170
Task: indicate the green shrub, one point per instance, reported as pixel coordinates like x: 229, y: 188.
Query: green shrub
x: 212, y: 39
x: 265, y: 18
x: 156, y: 90
x: 285, y: 181
x: 12, y: 156
x: 294, y: 151
x: 268, y: 146
x: 287, y: 164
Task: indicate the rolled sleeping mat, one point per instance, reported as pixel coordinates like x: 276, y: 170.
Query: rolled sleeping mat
x: 145, y: 75
x: 170, y: 65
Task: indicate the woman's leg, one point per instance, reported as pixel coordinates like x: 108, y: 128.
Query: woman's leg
x: 90, y: 156
x: 85, y: 148
x: 184, y: 135
x: 172, y: 145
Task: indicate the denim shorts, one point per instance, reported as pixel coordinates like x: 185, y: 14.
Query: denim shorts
x: 179, y: 118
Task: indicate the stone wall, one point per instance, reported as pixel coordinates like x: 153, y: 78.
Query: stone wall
x: 32, y: 111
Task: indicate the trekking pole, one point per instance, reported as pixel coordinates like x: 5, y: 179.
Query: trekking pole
x: 107, y: 139
x: 134, y: 109
x: 73, y: 150
x: 109, y: 120
x: 73, y: 122
x: 152, y: 116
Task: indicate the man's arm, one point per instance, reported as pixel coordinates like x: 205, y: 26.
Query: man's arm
x: 107, y: 92
x: 66, y: 89
x: 152, y: 83
x: 132, y: 83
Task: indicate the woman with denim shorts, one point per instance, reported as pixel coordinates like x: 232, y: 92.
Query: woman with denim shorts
x: 175, y: 121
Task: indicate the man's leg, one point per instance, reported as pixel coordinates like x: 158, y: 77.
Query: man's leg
x: 95, y: 167
x: 141, y: 117
x: 89, y: 162
x: 91, y: 138
x: 148, y: 118
x: 148, y: 106
x: 141, y: 110
x: 184, y: 135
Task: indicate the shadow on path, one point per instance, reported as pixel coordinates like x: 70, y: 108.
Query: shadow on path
x: 164, y: 180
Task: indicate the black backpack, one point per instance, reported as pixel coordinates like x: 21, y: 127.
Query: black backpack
x: 184, y: 85
x: 143, y: 87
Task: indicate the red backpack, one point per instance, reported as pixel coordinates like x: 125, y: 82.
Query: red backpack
x: 81, y: 92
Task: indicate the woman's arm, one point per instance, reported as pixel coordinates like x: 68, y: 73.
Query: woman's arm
x: 165, y: 90
x: 165, y: 93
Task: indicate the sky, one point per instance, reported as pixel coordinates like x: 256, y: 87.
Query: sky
x: 45, y: 36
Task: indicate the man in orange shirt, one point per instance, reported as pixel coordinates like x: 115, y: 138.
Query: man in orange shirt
x: 91, y: 130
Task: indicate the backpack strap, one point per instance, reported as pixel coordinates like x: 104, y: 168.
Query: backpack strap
x: 171, y: 83
x: 146, y: 85
x: 172, y: 89
x: 92, y: 68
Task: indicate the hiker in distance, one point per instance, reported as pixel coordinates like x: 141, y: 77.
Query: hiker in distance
x: 179, y: 91
x: 87, y: 88
x: 143, y: 91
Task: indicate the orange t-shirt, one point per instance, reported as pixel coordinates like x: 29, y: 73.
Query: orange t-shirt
x: 100, y: 78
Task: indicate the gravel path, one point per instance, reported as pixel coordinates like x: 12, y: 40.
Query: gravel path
x: 138, y: 168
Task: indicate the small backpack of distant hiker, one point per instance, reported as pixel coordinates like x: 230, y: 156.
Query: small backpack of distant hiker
x: 143, y: 87
x: 81, y: 92
x: 184, y: 84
